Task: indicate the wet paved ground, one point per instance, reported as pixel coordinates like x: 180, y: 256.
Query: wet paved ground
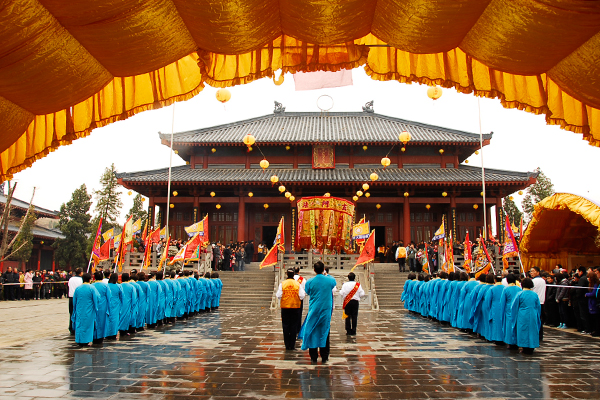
x: 225, y: 355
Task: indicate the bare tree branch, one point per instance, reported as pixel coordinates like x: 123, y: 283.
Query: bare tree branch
x: 5, y: 217
x: 23, y: 221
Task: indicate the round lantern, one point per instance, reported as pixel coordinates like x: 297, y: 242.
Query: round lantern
x: 403, y: 149
x: 476, y: 152
x: 385, y: 161
x: 265, y: 206
x: 212, y: 194
x: 355, y: 198
x: 441, y: 151
x: 327, y: 194
x: 282, y: 188
x: 359, y: 193
x: 250, y: 148
x: 287, y: 147
x: 213, y: 150
x: 434, y: 92
x: 292, y: 198
x: 444, y: 194
x: 406, y: 194
x: 475, y: 206
x: 367, y: 194
x: 378, y: 206
x: 520, y: 192
x: 428, y: 206
x: 250, y: 194
x: 223, y: 95
x: 249, y: 140
x: 365, y: 186
x: 481, y: 194
x: 175, y: 193
x: 288, y: 194
x: 218, y: 206
x: 264, y: 164
x: 374, y: 176
x: 41, y: 242
x: 404, y: 137
x: 466, y: 161
x: 365, y: 148
x: 274, y: 179
x: 187, y: 163
x: 511, y: 198
x: 143, y: 199
x: 171, y: 205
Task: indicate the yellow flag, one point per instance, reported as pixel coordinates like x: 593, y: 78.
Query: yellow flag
x: 137, y: 226
x: 108, y: 234
x: 127, y: 234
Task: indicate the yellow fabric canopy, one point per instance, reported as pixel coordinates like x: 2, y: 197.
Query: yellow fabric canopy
x: 67, y: 67
x: 562, y: 225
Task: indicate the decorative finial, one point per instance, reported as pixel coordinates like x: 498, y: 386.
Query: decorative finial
x: 368, y: 107
x: 279, y: 108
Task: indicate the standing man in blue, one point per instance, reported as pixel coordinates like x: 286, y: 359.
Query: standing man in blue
x: 85, y: 307
x: 144, y: 300
x: 114, y: 308
x: 315, y: 330
x: 152, y: 300
x: 218, y: 287
x: 127, y: 308
x: 101, y: 324
x: 163, y: 295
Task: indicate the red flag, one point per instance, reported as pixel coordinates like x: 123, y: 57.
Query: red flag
x: 510, y: 245
x: 191, y: 246
x: 105, y: 250
x: 368, y: 252
x: 270, y: 259
x: 426, y: 265
x: 145, y: 231
x: 96, y: 246
x: 154, y: 236
x: 487, y: 255
x: 467, y: 254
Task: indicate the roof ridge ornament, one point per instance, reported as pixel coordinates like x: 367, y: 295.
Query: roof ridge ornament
x: 368, y: 107
x: 279, y: 108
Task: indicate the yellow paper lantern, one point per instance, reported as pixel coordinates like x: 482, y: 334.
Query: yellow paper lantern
x: 365, y: 148
x: 378, y: 206
x: 441, y: 151
x: 143, y: 199
x: 374, y: 176
x: 264, y: 164
x: 213, y: 150
x: 287, y: 147
x: 265, y: 206
x: 475, y: 206
x: 327, y: 194
x: 385, y: 161
x: 250, y: 148
x: 476, y: 152
x: 282, y: 188
x: 466, y: 161
x: 171, y: 205
x: 274, y: 179
x: 41, y: 242
x: 288, y: 194
x: 176, y: 152
x: 406, y: 194
x: 365, y: 186
x: 511, y: 198
x: 434, y: 92
x: 404, y: 137
x: 444, y: 194
x: 428, y: 206
x: 249, y: 140
x: 403, y: 149
x: 218, y: 206
x: 187, y: 163
x: 212, y: 194
x: 359, y: 193
x: 520, y: 193
x: 355, y: 198
x: 129, y: 193
x: 292, y: 198
x: 223, y: 95
x: 481, y: 194
x: 367, y: 194
x: 250, y: 194
x: 175, y: 193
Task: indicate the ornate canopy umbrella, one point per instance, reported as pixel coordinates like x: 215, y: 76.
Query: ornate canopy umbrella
x: 67, y: 67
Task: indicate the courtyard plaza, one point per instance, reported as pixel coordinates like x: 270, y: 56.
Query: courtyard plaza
x: 240, y: 354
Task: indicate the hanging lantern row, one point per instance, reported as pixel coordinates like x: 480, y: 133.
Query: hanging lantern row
x: 274, y: 179
x: 175, y: 193
x: 367, y: 194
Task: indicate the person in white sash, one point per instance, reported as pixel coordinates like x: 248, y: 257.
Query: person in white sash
x: 351, y: 293
x: 302, y: 281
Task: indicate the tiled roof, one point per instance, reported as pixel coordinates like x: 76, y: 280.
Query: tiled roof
x: 335, y: 127
x: 25, y: 206
x: 38, y: 231
x: 400, y: 175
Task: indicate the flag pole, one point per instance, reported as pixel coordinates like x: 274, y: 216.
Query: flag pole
x: 169, y: 177
x: 482, y: 172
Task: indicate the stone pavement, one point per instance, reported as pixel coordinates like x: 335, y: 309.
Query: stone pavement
x: 240, y: 354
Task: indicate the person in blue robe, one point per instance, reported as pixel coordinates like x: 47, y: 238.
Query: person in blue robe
x: 416, y: 293
x: 211, y: 291
x: 448, y: 299
x: 199, y: 292
x: 103, y: 314
x: 152, y: 309
x: 144, y: 293
x: 459, y: 298
x: 218, y: 288
x: 440, y: 298
x: 492, y: 303
x: 114, y: 309
x: 183, y: 300
x: 85, y: 307
x: 508, y: 318
x: 432, y: 297
x: 177, y: 297
x: 479, y: 314
x: 465, y: 305
x: 528, y: 310
x: 127, y: 308
x: 314, y: 332
x: 171, y: 299
x: 163, y: 294
x: 407, y: 291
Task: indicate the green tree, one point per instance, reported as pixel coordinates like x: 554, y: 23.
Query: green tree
x: 108, y: 199
x: 137, y: 210
x: 74, y: 223
x: 24, y: 240
x: 514, y: 214
x: 536, y: 193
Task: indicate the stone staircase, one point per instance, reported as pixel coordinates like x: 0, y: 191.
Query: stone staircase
x: 252, y: 288
x: 388, y: 285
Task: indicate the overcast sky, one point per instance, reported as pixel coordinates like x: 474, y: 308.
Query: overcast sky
x: 521, y: 141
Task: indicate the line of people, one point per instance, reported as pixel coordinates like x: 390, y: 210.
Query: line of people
x: 105, y: 308
x: 501, y: 314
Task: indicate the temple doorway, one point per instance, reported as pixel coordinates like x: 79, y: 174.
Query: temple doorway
x: 268, y: 235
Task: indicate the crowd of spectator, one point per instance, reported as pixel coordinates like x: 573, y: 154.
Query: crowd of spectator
x: 17, y: 285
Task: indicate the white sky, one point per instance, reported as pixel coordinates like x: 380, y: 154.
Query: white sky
x: 521, y: 141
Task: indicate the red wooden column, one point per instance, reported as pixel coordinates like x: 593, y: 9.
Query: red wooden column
x: 242, y: 234
x: 39, y: 263
x: 406, y: 222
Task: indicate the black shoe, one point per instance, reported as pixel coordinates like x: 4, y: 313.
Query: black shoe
x: 313, y: 361
x: 324, y: 360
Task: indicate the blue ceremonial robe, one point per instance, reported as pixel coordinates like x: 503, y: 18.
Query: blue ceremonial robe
x: 183, y: 301
x: 85, y: 307
x: 178, y: 298
x: 219, y: 288
x: 116, y: 302
x: 162, y: 299
x: 211, y: 292
x: 416, y: 296
x: 315, y: 329
x: 508, y: 318
x: 526, y: 306
x: 440, y: 300
x: 170, y: 298
x: 152, y: 301
x: 479, y: 316
x: 405, y: 293
x: 203, y: 292
x: 142, y: 303
x: 465, y: 306
x: 450, y: 301
x: 459, y: 297
x: 199, y: 292
x: 101, y: 325
x: 127, y: 309
x: 492, y: 303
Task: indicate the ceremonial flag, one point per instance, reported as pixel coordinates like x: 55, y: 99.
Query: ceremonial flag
x: 108, y: 234
x: 426, y: 265
x: 440, y: 233
x: 443, y: 263
x: 467, y: 253
x: 194, y: 228
x: 368, y: 252
x: 154, y: 236
x: 361, y: 242
x: 489, y: 263
x: 163, y: 233
x: 147, y: 255
x: 485, y: 270
x: 145, y: 231
x: 179, y: 256
x: 361, y: 230
x: 450, y: 254
x: 514, y: 229
x: 280, y: 237
x: 127, y: 234
x: 510, y: 245
x: 521, y: 229
x: 165, y: 254
x: 492, y: 238
x: 194, y: 257
x: 104, y: 253
x: 137, y: 226
x: 192, y: 245
x: 117, y: 242
x: 96, y: 246
x: 270, y: 259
